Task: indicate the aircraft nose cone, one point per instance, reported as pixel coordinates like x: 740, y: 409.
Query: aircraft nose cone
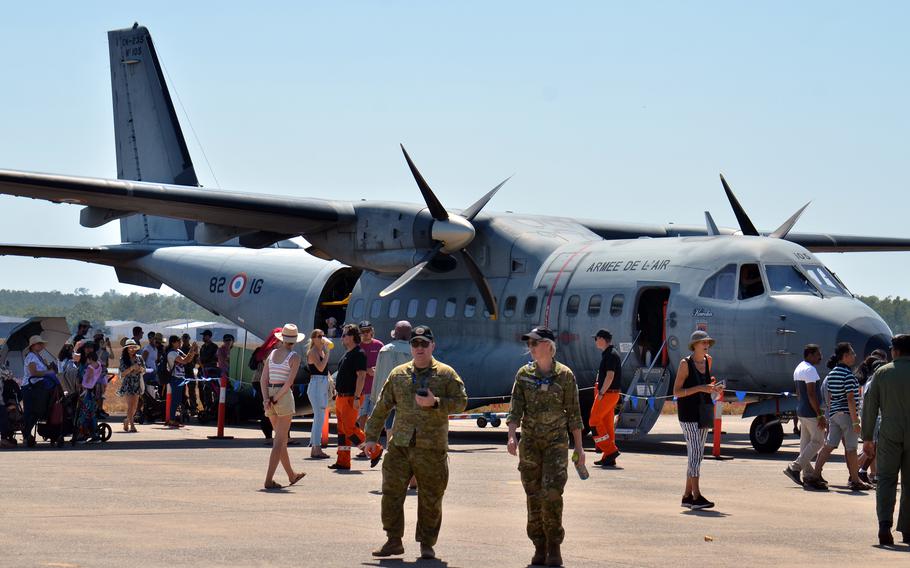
x: 866, y: 334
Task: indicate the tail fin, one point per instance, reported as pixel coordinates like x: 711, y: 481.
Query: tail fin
x: 150, y: 143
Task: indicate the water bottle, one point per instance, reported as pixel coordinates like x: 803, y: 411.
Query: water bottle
x: 579, y: 467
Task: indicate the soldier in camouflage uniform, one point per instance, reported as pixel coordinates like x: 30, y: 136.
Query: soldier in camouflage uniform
x: 424, y: 392
x: 545, y: 404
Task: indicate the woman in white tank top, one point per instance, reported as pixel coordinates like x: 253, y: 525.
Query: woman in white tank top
x: 277, y: 380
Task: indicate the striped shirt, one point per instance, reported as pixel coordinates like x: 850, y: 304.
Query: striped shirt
x: 841, y: 382
x: 279, y: 372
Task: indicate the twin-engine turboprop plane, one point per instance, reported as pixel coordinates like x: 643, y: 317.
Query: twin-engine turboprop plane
x: 480, y: 279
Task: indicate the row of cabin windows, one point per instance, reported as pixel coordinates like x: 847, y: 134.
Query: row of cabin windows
x: 469, y: 309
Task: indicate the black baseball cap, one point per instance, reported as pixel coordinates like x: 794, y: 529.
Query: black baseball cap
x: 539, y: 333
x: 603, y: 334
x: 365, y: 324
x: 207, y: 332
x: 422, y: 332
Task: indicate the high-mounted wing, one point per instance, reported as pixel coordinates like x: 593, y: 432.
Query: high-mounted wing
x: 224, y: 214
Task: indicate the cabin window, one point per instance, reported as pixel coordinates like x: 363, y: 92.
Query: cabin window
x: 413, y: 305
x: 531, y: 307
x: 509, y: 309
x: 470, y: 307
x: 572, y: 305
x: 787, y: 279
x: 750, y: 284
x: 375, y: 309
x: 394, y: 306
x: 825, y: 280
x: 451, y: 306
x: 431, y: 308
x: 594, y: 304
x: 616, y: 305
x: 357, y: 312
x: 721, y: 285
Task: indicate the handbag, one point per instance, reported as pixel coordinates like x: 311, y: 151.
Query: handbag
x: 705, y: 412
x: 331, y: 381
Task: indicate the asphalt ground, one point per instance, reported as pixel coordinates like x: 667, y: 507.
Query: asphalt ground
x: 175, y: 498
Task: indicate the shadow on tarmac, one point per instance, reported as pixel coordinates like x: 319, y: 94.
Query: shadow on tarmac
x: 402, y: 562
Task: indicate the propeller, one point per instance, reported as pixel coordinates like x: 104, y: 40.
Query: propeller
x: 452, y: 234
x: 712, y: 226
x: 745, y: 224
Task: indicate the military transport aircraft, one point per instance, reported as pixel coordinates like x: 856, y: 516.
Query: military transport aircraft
x: 480, y: 279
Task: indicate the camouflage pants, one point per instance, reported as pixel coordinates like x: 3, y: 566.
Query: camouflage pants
x: 432, y: 470
x: 543, y: 462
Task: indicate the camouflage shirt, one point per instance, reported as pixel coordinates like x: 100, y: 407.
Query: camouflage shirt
x: 545, y: 402
x: 415, y: 425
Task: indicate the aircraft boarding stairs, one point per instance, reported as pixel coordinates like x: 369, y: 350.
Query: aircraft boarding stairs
x: 638, y: 415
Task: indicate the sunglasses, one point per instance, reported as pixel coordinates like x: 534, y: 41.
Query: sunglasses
x: 533, y: 343
x: 420, y: 343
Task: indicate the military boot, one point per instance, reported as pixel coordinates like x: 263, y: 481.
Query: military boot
x: 554, y: 558
x: 392, y: 547
x: 540, y: 554
x: 427, y: 552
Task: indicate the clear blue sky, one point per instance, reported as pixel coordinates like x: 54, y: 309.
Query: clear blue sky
x: 621, y: 111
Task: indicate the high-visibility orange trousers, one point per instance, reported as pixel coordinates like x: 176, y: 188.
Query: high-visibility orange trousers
x: 348, y: 432
x: 603, y: 421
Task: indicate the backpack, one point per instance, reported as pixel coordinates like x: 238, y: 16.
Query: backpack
x: 163, y: 370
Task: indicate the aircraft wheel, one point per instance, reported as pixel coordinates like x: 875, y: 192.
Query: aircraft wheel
x: 766, y: 434
x: 481, y: 422
x: 495, y: 422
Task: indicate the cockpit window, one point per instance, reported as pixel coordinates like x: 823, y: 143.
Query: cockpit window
x: 721, y: 285
x: 825, y: 280
x: 787, y: 279
x: 750, y: 284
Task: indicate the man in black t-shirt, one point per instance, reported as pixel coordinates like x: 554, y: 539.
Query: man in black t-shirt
x: 208, y: 355
x: 352, y: 372
x: 608, y: 385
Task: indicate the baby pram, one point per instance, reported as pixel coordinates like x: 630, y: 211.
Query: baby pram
x: 151, y: 403
x: 12, y: 403
x: 102, y: 430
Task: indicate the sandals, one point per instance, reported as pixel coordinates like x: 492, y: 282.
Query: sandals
x: 133, y: 428
x: 126, y: 428
x: 272, y: 486
x: 297, y: 478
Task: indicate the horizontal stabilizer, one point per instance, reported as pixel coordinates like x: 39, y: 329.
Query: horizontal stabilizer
x: 108, y: 256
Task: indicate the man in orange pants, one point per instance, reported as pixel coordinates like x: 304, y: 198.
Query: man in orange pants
x: 352, y: 371
x: 606, y: 397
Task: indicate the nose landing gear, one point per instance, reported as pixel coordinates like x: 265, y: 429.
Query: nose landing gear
x: 766, y: 433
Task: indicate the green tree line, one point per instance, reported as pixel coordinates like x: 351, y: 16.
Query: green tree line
x: 894, y: 310
x: 99, y: 308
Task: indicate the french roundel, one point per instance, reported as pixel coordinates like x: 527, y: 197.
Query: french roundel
x: 238, y: 283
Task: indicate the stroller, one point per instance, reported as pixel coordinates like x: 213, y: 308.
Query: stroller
x: 209, y: 391
x: 102, y: 431
x: 12, y: 401
x: 151, y: 403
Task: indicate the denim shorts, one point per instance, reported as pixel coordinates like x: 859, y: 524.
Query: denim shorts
x: 840, y: 427
x: 366, y: 406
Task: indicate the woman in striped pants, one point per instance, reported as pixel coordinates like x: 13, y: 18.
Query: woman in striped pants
x: 693, y: 389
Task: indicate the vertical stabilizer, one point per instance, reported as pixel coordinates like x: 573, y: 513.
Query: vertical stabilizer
x: 149, y: 141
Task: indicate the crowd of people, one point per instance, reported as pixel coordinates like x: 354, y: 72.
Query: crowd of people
x: 401, y: 390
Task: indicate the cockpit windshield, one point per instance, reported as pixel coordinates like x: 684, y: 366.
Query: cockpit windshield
x: 825, y: 280
x: 787, y: 279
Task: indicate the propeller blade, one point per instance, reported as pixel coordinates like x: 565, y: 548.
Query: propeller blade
x: 782, y: 231
x: 482, y: 284
x: 712, y: 226
x: 474, y: 209
x: 745, y: 224
x: 411, y: 272
x: 436, y: 209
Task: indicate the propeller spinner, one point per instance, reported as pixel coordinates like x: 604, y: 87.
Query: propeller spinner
x: 452, y: 233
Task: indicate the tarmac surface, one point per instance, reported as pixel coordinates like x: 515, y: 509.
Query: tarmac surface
x: 174, y: 498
